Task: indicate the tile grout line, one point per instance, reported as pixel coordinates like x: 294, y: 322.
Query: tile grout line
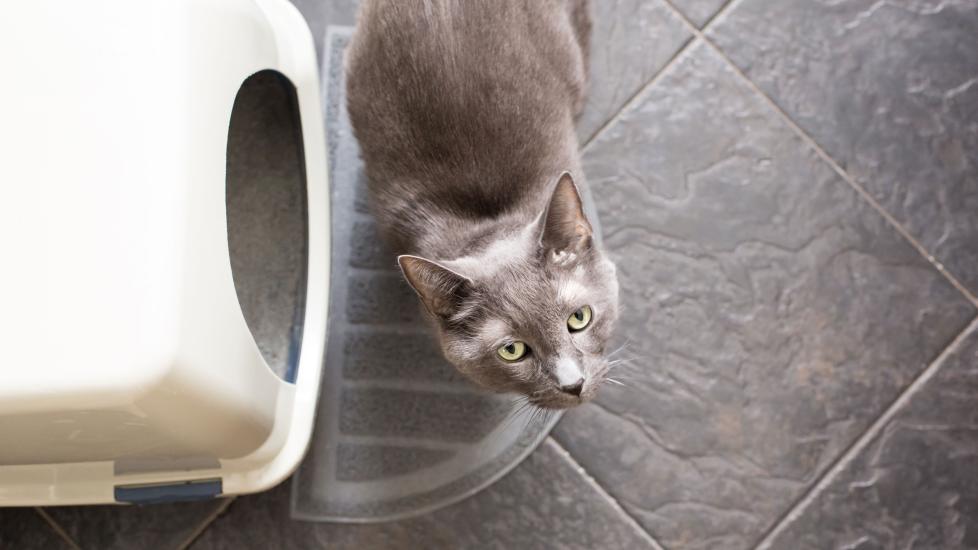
x: 639, y: 94
x: 810, y: 141
x: 612, y: 501
x: 676, y: 56
x: 859, y: 445
x: 199, y: 530
x: 727, y: 6
x: 56, y: 527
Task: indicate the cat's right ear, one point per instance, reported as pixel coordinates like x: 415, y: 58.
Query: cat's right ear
x: 440, y: 289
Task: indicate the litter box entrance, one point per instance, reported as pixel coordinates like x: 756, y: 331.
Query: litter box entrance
x: 267, y: 221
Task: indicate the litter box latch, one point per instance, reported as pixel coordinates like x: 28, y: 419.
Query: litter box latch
x: 152, y: 493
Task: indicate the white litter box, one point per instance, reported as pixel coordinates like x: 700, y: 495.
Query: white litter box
x: 127, y: 370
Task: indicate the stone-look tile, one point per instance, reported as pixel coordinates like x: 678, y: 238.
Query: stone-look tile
x: 162, y: 526
x: 631, y: 40
x: 772, y: 312
x: 24, y: 529
x: 543, y: 503
x: 320, y: 14
x: 890, y: 90
x: 699, y: 11
x: 914, y: 486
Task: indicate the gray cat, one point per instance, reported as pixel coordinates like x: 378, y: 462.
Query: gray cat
x: 464, y: 110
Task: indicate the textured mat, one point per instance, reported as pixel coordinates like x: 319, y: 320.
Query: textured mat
x: 399, y: 432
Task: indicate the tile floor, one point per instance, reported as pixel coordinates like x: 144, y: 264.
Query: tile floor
x: 790, y: 190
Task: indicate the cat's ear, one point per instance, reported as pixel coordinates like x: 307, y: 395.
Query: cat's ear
x: 441, y: 290
x: 565, y: 227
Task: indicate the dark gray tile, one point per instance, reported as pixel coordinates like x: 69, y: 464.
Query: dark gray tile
x: 914, y: 486
x: 890, y: 90
x: 631, y: 40
x: 162, y: 526
x: 25, y: 529
x: 320, y: 14
x: 699, y: 11
x: 772, y: 312
x: 543, y: 503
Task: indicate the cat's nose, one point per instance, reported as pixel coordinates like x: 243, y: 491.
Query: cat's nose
x: 574, y: 388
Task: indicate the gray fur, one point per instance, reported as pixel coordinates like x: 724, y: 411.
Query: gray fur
x: 464, y: 111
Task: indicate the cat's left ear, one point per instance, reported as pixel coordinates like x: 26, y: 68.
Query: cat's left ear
x: 565, y: 230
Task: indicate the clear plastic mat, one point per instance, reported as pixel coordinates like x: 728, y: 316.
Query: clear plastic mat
x: 398, y: 432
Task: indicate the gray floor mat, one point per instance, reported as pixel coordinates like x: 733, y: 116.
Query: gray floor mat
x: 398, y: 432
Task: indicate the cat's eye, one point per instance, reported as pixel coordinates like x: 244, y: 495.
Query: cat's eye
x: 580, y: 319
x: 513, y: 351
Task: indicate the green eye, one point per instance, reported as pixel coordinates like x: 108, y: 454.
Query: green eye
x: 580, y: 319
x: 513, y: 351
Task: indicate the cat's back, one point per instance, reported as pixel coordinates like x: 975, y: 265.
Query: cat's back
x: 457, y: 104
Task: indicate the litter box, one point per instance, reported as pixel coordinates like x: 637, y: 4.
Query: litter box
x: 129, y: 373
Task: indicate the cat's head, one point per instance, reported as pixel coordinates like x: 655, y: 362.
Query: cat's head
x: 531, y: 313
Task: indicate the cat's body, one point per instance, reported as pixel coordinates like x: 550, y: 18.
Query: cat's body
x: 464, y: 110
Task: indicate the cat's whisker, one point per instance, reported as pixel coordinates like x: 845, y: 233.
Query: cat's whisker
x: 625, y: 360
x: 620, y: 348
x: 520, y: 407
x: 620, y: 383
x: 548, y: 416
x: 629, y: 367
x: 526, y: 404
x: 517, y: 404
x: 516, y: 410
x: 627, y: 376
x: 541, y: 415
x: 623, y: 369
